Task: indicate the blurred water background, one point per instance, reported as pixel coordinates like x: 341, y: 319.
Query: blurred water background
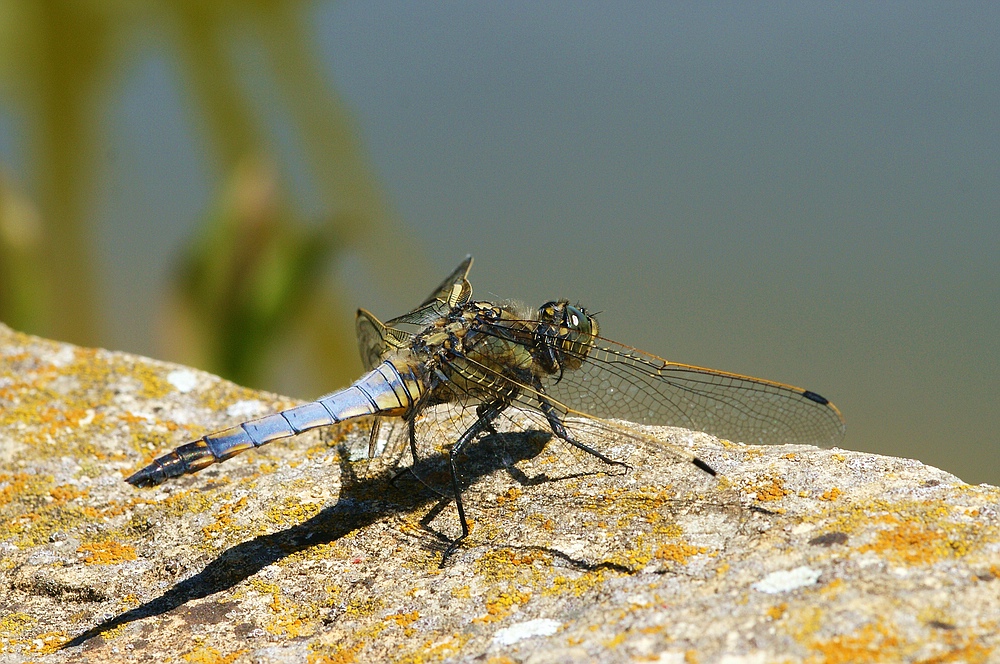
x: 806, y: 192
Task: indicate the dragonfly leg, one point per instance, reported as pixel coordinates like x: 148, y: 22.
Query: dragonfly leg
x: 411, y: 428
x: 481, y: 410
x: 560, y: 431
x: 487, y: 412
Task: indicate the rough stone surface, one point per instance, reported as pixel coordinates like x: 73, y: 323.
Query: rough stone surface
x: 294, y: 554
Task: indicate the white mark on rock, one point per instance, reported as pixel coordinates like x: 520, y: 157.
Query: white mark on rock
x: 182, y: 379
x: 245, y: 409
x: 64, y: 357
x: 756, y: 657
x: 525, y: 630
x: 787, y: 579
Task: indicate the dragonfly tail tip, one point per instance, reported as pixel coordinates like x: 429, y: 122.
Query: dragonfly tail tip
x: 142, y: 479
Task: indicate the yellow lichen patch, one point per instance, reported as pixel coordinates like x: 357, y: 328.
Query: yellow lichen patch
x: 503, y: 564
x: 872, y: 643
x: 775, y: 490
x: 129, y: 601
x: 577, y: 587
x: 224, y: 518
x: 636, y: 557
x: 501, y: 605
x: 360, y: 607
x: 912, y: 543
x: 32, y: 509
x: 107, y: 552
x: 404, y: 619
x: 909, y: 532
x: 834, y: 587
x: 666, y: 529
x: 64, y: 493
x: 678, y: 552
x: 14, y: 486
x: 831, y: 494
x: 509, y: 496
x: 431, y: 651
x: 189, y: 501
x: 114, y: 632
x: 113, y: 508
x: 209, y: 655
x: 290, y: 619
x: 336, y: 655
x: 292, y: 510
x: 293, y: 624
x: 777, y: 611
x: 14, y: 623
x: 643, y: 500
x: 153, y: 385
x: 962, y: 649
x: 45, y: 643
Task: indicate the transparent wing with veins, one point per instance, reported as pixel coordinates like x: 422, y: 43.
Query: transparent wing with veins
x: 616, y: 387
x: 377, y: 339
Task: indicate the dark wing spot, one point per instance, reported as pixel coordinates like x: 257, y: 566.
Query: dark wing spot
x: 812, y: 396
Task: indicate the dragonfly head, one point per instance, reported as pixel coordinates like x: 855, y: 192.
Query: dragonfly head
x: 571, y: 332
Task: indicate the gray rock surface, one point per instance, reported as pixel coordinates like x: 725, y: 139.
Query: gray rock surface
x: 294, y: 553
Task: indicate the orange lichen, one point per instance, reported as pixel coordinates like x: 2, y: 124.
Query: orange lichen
x: 831, y: 494
x: 578, y: 586
x: 15, y: 623
x: 209, y: 655
x: 404, y: 619
x: 108, y: 552
x: 45, y: 643
x: 224, y: 518
x: 509, y: 496
x: 13, y: 486
x: 678, y: 552
x: 431, y: 651
x: 65, y: 493
x: 777, y: 611
x: 336, y: 656
x: 503, y: 564
x: 912, y: 543
x: 502, y: 605
x: 773, y: 491
x: 872, y: 643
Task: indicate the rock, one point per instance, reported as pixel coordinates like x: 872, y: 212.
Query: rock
x: 294, y: 553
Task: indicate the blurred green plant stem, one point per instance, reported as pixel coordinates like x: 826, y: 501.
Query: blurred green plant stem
x: 257, y: 268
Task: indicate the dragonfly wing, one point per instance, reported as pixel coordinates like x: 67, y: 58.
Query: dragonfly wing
x: 619, y: 382
x: 376, y: 339
x: 455, y: 289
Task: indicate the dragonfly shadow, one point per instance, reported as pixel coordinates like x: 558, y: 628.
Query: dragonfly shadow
x: 362, y: 502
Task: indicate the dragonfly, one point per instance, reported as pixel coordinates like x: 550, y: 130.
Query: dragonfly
x: 488, y: 360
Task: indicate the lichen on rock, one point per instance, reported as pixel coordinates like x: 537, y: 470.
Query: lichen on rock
x: 296, y: 553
